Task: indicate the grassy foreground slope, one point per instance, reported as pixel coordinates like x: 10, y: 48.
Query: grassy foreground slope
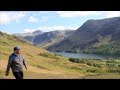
x: 45, y: 65
x: 41, y: 63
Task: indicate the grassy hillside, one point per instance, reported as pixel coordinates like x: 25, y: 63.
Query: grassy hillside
x: 41, y: 63
x: 100, y: 69
x: 111, y: 48
x: 45, y: 65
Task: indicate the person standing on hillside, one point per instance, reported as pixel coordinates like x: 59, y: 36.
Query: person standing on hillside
x: 16, y: 62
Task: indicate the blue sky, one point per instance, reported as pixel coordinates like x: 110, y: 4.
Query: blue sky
x: 29, y: 21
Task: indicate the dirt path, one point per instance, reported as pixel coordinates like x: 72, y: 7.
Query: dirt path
x: 37, y: 73
x: 3, y: 64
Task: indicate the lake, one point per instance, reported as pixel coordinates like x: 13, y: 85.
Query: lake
x: 86, y: 56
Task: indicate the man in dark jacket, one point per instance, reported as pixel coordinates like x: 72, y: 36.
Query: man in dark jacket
x: 16, y: 62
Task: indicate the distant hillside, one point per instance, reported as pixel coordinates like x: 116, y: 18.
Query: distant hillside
x: 49, y: 38
x: 46, y: 39
x: 28, y: 37
x: 111, y: 48
x: 93, y: 33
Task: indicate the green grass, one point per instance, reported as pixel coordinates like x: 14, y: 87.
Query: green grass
x: 43, y: 65
x: 112, y: 48
x: 39, y: 61
x: 99, y: 66
x: 103, y: 76
x: 50, y: 55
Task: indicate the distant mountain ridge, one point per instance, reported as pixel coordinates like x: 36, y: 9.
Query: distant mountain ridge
x: 46, y: 39
x: 93, y: 33
x: 29, y: 36
x: 49, y: 38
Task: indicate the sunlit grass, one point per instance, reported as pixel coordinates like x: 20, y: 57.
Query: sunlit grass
x: 43, y: 64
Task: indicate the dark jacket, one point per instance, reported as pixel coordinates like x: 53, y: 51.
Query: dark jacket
x: 16, y: 62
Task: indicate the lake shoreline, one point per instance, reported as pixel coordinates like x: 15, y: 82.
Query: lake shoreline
x: 86, y: 55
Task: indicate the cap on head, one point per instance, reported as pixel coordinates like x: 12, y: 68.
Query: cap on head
x: 17, y: 48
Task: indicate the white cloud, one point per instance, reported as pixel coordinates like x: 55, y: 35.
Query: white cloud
x: 70, y: 14
x: 48, y: 28
x: 44, y: 12
x: 27, y: 30
x: 109, y: 14
x: 7, y: 17
x: 105, y: 14
x: 52, y: 28
x: 33, y: 19
x: 44, y: 18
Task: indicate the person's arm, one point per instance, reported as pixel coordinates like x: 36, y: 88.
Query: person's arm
x: 26, y: 66
x: 24, y: 63
x: 8, y: 66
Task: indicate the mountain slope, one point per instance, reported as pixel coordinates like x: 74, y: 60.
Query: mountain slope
x: 93, y: 33
x: 49, y: 38
x: 45, y: 39
x: 29, y: 37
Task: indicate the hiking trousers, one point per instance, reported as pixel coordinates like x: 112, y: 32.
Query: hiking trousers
x: 18, y: 75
